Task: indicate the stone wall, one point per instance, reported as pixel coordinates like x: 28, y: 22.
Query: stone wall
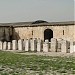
x: 16, y: 33
x: 6, y: 33
x: 65, y: 32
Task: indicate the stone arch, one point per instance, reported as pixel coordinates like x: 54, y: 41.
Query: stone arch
x: 48, y: 34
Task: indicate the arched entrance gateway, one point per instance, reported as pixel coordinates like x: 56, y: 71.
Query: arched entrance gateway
x: 48, y: 34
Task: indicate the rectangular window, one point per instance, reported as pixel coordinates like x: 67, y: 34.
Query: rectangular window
x: 32, y: 32
x: 63, y: 32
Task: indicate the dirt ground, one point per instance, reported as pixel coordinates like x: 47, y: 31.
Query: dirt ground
x: 44, y: 53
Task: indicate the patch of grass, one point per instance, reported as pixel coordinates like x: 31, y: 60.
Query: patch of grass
x: 17, y: 64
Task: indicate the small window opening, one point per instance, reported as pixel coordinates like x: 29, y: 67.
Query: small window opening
x: 63, y: 32
x: 32, y: 32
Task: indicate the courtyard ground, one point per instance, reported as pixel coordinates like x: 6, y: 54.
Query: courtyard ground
x: 18, y: 63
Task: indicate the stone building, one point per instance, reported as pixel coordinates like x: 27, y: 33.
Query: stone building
x: 38, y: 29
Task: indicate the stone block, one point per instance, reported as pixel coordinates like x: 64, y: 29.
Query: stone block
x: 1, y: 45
x: 39, y: 42
x: 5, y: 45
x: 71, y: 46
x: 20, y: 44
x: 26, y: 44
x: 74, y: 48
x: 33, y: 45
x: 59, y: 41
x: 9, y: 46
x: 45, y: 47
x: 53, y: 45
x: 14, y: 45
x: 64, y: 46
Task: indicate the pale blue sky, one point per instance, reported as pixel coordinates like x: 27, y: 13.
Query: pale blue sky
x: 31, y: 10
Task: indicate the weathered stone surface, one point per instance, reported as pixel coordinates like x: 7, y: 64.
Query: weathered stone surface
x: 1, y: 45
x: 64, y: 46
x: 14, y: 45
x: 33, y: 45
x: 20, y: 44
x: 39, y: 45
x: 74, y: 48
x: 45, y: 47
x: 9, y: 46
x: 53, y: 45
x: 71, y: 46
x: 26, y: 44
x: 5, y: 45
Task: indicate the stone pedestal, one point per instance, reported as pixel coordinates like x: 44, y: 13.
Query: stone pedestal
x: 33, y: 45
x: 59, y: 45
x: 4, y: 45
x: 1, y: 45
x: 39, y: 45
x: 9, y: 46
x: 26, y: 44
x: 45, y: 47
x: 64, y: 46
x: 71, y: 46
x: 53, y: 45
x: 14, y: 44
x: 20, y: 44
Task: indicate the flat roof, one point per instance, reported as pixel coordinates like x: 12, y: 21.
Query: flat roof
x: 31, y: 24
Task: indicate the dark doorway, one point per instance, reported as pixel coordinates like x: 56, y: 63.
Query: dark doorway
x: 48, y: 34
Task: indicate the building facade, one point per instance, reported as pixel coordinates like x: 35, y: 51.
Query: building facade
x: 38, y: 29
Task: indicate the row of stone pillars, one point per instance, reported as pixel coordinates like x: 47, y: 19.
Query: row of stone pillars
x: 37, y: 45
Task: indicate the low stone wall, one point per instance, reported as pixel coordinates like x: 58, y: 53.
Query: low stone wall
x: 37, y: 45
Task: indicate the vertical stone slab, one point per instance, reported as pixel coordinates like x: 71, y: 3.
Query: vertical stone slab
x: 33, y: 45
x: 14, y: 44
x: 45, y: 47
x: 26, y: 44
x: 59, y: 41
x: 71, y: 46
x: 74, y: 48
x: 49, y: 46
x: 39, y: 45
x: 53, y: 45
x: 9, y: 46
x: 20, y: 44
x: 5, y: 45
x: 64, y: 46
x: 1, y: 45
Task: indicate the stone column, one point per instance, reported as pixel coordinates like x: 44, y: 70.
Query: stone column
x: 20, y: 44
x: 45, y: 47
x: 59, y: 45
x: 26, y: 45
x: 53, y: 45
x: 39, y: 45
x: 64, y: 46
x: 71, y: 46
x: 1, y: 45
x: 5, y: 45
x: 9, y: 46
x: 33, y: 45
x: 14, y: 44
